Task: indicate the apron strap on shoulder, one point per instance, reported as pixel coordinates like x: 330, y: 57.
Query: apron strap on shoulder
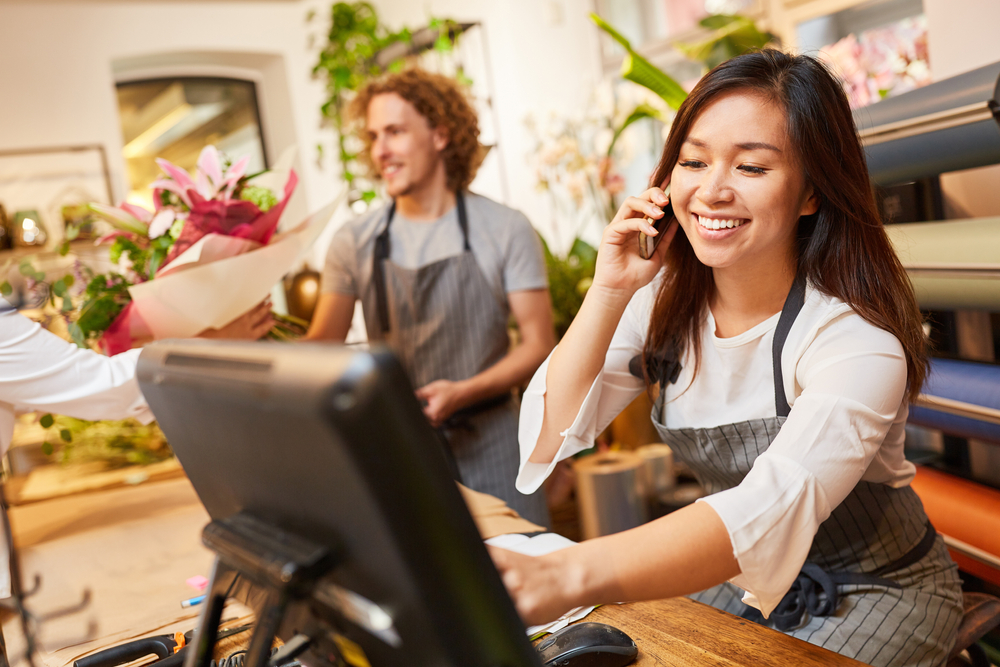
x: 793, y: 304
x: 380, y: 253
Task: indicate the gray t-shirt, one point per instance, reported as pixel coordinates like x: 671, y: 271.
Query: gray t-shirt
x: 505, y: 245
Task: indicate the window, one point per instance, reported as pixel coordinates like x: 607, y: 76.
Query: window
x: 175, y: 118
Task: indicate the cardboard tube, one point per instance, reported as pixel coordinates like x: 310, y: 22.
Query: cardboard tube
x: 610, y: 492
x: 658, y: 469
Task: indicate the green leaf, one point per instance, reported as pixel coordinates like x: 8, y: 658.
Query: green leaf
x: 443, y: 43
x: 69, y: 280
x: 584, y: 251
x: 59, y: 287
x: 6, y: 289
x: 731, y: 36
x: 66, y: 435
x: 47, y: 448
x: 637, y: 69
x: 615, y: 35
x: 26, y: 269
x: 640, y: 112
x: 717, y: 21
x: 76, y: 335
x: 47, y: 421
x: 97, y: 314
x: 139, y: 257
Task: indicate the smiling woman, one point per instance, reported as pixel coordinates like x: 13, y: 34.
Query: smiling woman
x: 738, y: 199
x: 785, y: 340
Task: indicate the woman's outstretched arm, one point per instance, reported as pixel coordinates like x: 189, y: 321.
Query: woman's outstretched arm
x: 681, y: 553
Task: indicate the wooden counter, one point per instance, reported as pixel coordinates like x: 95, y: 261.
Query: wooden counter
x: 133, y: 547
x: 684, y: 632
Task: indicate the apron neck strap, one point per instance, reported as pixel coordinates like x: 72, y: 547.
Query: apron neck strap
x: 793, y: 304
x: 463, y: 220
x: 383, y: 249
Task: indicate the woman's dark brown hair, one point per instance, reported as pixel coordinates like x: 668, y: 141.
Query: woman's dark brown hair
x: 443, y: 103
x: 842, y: 249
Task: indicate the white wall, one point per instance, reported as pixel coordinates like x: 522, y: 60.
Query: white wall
x: 58, y: 63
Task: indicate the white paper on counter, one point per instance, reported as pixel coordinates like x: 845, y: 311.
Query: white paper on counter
x: 213, y: 294
x: 539, y: 545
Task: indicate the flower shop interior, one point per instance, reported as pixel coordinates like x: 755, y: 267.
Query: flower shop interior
x: 105, y: 527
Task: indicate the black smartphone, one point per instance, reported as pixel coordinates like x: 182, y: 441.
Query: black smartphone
x: 647, y: 244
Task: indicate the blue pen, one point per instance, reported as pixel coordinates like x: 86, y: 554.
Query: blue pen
x: 193, y: 601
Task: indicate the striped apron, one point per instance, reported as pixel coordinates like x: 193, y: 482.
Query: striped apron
x: 444, y: 322
x: 878, y: 584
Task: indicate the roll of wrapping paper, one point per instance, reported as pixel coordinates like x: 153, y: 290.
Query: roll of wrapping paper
x: 954, y: 264
x: 611, y: 492
x: 658, y: 470
x: 945, y: 126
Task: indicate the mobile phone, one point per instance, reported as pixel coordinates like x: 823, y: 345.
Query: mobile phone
x: 647, y: 244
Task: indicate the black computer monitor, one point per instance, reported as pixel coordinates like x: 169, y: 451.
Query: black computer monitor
x: 329, y: 444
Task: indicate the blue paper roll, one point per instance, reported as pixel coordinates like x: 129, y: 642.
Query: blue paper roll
x: 975, y: 384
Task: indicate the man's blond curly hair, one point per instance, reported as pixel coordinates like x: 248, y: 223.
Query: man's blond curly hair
x: 443, y: 103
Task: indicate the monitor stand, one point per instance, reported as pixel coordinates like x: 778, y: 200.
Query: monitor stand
x: 284, y: 565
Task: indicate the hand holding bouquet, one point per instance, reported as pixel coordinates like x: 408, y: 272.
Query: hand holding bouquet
x: 205, y: 255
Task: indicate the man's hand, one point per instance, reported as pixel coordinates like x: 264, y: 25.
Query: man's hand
x: 251, y: 325
x: 443, y: 398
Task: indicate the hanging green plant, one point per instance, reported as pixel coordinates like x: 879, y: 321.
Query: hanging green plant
x: 353, y: 54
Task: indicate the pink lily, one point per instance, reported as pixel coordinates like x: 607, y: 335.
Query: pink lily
x: 161, y: 222
x: 178, y: 182
x: 234, y: 174
x: 122, y: 218
x: 137, y: 212
x: 210, y: 179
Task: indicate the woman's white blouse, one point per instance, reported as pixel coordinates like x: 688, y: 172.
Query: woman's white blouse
x: 845, y: 381
x: 40, y: 371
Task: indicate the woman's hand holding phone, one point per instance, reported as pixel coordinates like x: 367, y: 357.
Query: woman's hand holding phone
x: 623, y: 266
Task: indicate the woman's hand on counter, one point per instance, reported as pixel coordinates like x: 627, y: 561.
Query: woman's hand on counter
x: 543, y: 587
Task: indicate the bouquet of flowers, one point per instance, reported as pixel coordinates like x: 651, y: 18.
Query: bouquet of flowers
x: 206, y: 254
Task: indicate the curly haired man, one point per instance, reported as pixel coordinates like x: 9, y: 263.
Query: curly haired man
x: 439, y: 271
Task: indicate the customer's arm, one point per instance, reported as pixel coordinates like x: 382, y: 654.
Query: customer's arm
x: 40, y: 371
x: 532, y: 310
